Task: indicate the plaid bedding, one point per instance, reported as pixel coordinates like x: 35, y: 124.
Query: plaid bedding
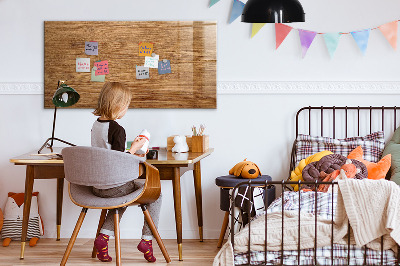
x: 322, y: 207
x: 372, y: 145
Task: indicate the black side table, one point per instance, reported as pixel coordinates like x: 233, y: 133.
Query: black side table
x: 226, y: 183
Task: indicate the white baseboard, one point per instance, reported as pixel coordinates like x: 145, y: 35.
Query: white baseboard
x: 259, y: 87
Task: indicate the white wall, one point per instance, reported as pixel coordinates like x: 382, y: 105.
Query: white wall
x: 257, y: 127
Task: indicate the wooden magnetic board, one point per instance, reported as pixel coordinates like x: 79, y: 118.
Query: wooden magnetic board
x: 189, y: 45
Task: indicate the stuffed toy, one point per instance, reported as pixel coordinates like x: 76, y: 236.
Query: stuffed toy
x: 296, y: 174
x: 13, y: 215
x: 180, y: 144
x: 375, y: 170
x: 245, y: 169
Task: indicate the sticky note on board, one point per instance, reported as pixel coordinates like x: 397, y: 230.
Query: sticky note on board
x: 91, y: 48
x: 151, y: 62
x: 99, y: 78
x: 82, y: 64
x: 145, y: 48
x: 164, y: 67
x: 142, y: 72
x: 102, y: 67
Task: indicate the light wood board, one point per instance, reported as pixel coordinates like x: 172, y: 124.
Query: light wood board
x: 189, y: 45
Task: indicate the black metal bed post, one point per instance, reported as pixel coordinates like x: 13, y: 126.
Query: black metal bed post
x: 266, y: 221
x: 249, y: 220
x: 315, y: 223
x: 283, y: 211
x: 333, y: 192
x: 298, y: 238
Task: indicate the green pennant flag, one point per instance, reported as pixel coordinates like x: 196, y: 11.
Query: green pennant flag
x: 213, y: 2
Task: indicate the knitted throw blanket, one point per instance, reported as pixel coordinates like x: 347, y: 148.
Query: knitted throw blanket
x: 371, y: 206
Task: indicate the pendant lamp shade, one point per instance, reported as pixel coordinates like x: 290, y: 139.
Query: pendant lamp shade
x: 273, y: 11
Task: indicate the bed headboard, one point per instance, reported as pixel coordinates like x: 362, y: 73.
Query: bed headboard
x: 344, y: 121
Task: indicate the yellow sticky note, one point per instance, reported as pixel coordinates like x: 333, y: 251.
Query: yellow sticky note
x: 145, y: 48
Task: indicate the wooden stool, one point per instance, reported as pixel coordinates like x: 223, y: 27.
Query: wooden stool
x: 226, y: 183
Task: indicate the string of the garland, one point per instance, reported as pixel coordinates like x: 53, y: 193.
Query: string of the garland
x: 342, y: 32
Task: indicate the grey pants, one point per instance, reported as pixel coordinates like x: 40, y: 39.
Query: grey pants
x: 153, y: 208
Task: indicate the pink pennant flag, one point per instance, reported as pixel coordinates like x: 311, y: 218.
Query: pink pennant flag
x: 306, y: 39
x: 389, y: 30
x: 281, y: 31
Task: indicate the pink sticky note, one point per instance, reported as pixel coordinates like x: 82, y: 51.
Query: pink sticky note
x: 102, y: 67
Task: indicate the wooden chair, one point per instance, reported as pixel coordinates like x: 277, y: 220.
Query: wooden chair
x: 85, y: 167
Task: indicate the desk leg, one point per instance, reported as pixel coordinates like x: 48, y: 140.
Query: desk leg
x: 176, y: 182
x: 27, y: 206
x: 60, y: 190
x: 199, y: 204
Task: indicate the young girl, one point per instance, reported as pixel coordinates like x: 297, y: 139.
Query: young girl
x: 113, y: 103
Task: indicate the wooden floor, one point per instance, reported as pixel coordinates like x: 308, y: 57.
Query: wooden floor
x: 50, y: 252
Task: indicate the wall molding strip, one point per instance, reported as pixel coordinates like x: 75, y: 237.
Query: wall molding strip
x: 259, y: 87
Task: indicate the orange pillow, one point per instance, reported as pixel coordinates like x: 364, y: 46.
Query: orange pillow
x: 375, y: 170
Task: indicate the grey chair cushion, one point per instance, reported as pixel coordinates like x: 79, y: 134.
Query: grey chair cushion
x: 83, y: 196
x: 99, y: 167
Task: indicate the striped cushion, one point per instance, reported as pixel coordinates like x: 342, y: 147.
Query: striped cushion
x: 372, y: 145
x: 13, y: 228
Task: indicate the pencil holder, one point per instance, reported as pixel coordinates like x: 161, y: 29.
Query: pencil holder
x: 200, y: 143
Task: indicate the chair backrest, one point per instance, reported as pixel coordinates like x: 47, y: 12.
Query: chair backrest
x: 92, y: 166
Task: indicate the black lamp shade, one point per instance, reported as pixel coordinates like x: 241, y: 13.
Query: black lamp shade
x: 65, y: 96
x: 273, y: 11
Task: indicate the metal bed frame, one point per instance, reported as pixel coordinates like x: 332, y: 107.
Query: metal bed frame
x: 283, y: 184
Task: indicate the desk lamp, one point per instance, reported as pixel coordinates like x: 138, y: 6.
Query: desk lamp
x: 63, y: 97
x: 273, y: 11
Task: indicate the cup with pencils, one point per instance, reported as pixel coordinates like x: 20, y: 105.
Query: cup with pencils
x: 199, y: 140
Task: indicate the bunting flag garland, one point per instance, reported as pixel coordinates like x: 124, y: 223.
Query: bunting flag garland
x: 256, y: 27
x: 332, y: 41
x: 361, y: 38
x: 389, y: 30
x: 281, y: 31
x: 306, y: 39
x: 213, y: 2
x: 237, y: 9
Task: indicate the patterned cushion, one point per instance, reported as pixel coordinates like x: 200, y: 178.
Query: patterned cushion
x: 372, y: 144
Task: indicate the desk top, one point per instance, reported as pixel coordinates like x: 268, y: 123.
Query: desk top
x: 164, y: 157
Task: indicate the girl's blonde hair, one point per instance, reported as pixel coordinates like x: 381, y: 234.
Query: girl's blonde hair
x: 112, y: 99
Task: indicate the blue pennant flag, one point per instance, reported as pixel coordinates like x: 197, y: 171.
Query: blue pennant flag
x: 332, y: 41
x: 361, y: 38
x: 213, y: 2
x: 237, y: 9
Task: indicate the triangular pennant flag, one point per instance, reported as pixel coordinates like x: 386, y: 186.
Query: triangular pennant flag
x: 213, y: 2
x: 361, y: 37
x: 332, y: 41
x: 281, y: 31
x: 255, y: 28
x: 306, y: 39
x: 237, y: 9
x: 390, y: 32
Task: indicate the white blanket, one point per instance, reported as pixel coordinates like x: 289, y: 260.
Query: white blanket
x: 371, y: 206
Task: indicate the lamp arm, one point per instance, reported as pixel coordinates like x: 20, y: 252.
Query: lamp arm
x: 54, y: 126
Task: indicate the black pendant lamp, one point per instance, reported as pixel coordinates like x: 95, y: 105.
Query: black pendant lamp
x: 273, y: 11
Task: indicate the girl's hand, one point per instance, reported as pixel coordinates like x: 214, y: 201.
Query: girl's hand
x: 137, y: 144
x: 142, y: 155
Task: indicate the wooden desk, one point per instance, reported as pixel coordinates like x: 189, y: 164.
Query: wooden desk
x: 168, y: 164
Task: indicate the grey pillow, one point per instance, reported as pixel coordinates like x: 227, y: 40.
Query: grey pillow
x: 393, y: 148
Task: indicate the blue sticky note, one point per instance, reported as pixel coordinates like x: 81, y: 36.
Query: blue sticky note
x: 92, y: 48
x: 164, y: 67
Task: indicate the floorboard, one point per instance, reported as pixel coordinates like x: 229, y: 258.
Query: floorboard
x: 50, y: 252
